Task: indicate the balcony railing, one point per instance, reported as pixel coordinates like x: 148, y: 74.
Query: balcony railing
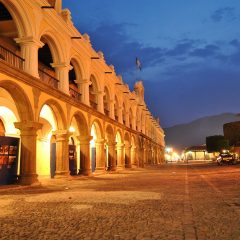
x: 106, y: 111
x: 93, y: 104
x: 48, y: 79
x: 11, y: 58
x: 74, y: 94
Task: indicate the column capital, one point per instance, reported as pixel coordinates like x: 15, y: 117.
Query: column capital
x: 82, y: 81
x: 29, y: 41
x: 61, y: 65
x: 84, y: 139
x: 120, y: 146
x: 112, y: 144
x: 28, y: 126
x: 62, y: 134
x: 100, y: 141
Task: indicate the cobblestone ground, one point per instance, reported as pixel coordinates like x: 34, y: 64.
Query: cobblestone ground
x: 198, y: 201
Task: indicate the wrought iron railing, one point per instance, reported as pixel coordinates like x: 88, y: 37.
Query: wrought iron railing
x: 74, y: 94
x: 11, y: 58
x: 93, y: 104
x: 48, y: 79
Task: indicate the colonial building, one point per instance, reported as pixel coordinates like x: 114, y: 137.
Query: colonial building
x: 70, y: 111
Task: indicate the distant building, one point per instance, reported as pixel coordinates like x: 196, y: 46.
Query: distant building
x: 197, y: 153
x: 232, y: 133
x: 69, y: 109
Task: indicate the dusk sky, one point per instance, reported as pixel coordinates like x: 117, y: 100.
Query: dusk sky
x: 189, y: 49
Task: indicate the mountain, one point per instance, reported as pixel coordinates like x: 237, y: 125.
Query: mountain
x: 195, y: 133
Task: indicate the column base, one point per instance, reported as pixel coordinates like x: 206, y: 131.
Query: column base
x: 112, y: 168
x: 120, y: 168
x: 100, y: 170
x: 85, y: 172
x: 128, y: 166
x: 62, y: 174
x: 29, y: 179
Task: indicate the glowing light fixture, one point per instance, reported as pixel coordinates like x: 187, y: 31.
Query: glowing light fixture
x: 72, y: 129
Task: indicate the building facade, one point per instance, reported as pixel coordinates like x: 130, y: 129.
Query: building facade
x: 69, y: 109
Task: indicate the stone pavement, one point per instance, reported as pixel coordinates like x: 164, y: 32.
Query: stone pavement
x: 198, y: 201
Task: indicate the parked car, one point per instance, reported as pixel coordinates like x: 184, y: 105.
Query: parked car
x: 226, y: 158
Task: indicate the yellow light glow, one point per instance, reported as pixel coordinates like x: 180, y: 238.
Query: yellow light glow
x: 72, y: 129
x: 8, y: 118
x: 47, y: 114
x: 94, y: 135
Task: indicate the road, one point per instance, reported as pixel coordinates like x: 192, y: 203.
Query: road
x: 184, y: 201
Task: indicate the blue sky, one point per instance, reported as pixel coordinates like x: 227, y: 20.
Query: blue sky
x: 189, y: 49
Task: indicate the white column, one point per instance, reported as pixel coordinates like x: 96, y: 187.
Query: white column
x: 62, y: 70
x: 83, y: 86
x: 29, y: 52
x: 28, y: 174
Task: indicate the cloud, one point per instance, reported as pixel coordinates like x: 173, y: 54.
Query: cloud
x: 207, y: 51
x: 227, y: 13
x: 120, y: 50
x: 235, y: 43
x: 181, y: 48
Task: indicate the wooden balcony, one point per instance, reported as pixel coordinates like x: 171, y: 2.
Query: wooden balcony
x: 48, y: 79
x: 75, y: 94
x: 11, y: 58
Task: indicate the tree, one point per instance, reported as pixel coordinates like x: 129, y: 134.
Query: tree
x: 217, y: 143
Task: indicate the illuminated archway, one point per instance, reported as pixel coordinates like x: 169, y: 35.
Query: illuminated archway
x: 119, y: 149
x: 110, y: 148
x: 15, y: 108
x: 93, y: 147
x: 97, y: 151
x: 127, y: 150
x: 79, y: 130
x: 134, y: 160
x: 46, y: 146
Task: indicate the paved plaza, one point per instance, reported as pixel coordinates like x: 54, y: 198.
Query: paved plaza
x: 194, y: 201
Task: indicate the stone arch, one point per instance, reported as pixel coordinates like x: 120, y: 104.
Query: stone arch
x: 58, y: 112
x: 110, y: 133
x: 97, y: 80
x: 127, y: 137
x: 99, y: 129
x: 82, y: 124
x: 20, y: 17
x: 20, y: 98
x: 106, y: 100
x: 78, y: 64
x: 134, y: 160
x: 116, y: 108
x: 120, y: 135
x: 93, y: 91
x: 2, y: 128
x: 50, y: 38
